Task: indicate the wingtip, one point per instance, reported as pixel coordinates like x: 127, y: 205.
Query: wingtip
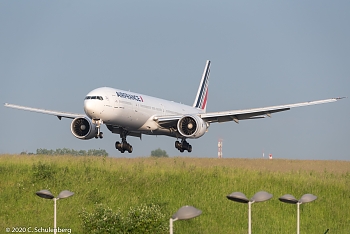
x: 338, y: 98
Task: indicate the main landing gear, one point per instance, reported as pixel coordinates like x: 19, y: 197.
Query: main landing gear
x: 123, y: 146
x: 183, y: 146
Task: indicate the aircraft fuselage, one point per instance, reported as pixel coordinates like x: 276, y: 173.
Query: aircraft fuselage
x: 132, y: 111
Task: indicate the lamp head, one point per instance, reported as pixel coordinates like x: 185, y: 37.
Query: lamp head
x: 45, y: 194
x: 186, y: 212
x: 261, y: 196
x: 65, y: 194
x: 288, y: 199
x: 292, y: 200
x: 307, y: 198
x: 238, y: 197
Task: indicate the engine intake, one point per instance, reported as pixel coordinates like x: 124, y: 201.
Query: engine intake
x: 83, y: 128
x: 192, y: 126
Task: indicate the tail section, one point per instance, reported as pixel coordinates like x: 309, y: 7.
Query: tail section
x: 202, y: 95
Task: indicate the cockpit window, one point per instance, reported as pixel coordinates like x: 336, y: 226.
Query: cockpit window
x: 94, y: 97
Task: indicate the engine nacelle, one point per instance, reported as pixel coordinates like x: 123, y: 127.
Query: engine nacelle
x: 83, y: 128
x: 192, y: 126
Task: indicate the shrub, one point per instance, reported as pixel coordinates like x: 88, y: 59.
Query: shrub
x: 102, y: 220
x: 159, y: 153
x: 146, y: 219
x: 140, y: 219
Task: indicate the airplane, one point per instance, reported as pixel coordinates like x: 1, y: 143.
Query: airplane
x: 133, y: 114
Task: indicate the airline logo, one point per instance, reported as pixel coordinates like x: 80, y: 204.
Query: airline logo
x: 130, y: 96
x: 203, y: 103
x: 202, y: 95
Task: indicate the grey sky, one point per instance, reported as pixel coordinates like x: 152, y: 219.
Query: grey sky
x: 263, y: 53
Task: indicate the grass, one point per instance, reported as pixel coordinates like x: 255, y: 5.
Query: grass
x: 121, y: 183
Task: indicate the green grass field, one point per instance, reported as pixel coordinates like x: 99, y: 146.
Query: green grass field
x: 121, y: 183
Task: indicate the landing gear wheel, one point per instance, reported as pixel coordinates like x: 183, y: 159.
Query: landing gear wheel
x: 124, y: 146
x: 118, y: 145
x: 183, y: 146
x: 189, y: 149
x: 177, y: 144
x: 129, y: 148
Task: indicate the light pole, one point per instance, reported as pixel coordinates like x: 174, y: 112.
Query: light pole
x: 258, y: 197
x: 185, y: 212
x: 292, y: 200
x: 48, y: 195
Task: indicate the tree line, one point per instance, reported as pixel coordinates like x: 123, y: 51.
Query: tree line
x: 65, y: 151
x: 91, y: 152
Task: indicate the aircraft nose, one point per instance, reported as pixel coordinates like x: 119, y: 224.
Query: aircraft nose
x: 89, y: 108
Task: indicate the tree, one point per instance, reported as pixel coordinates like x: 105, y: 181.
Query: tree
x: 159, y: 153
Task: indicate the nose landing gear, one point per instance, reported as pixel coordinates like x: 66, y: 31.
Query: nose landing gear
x: 98, y: 126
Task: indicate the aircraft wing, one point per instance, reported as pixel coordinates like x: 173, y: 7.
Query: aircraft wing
x: 256, y: 113
x: 168, y: 121
x: 59, y: 114
x: 237, y: 115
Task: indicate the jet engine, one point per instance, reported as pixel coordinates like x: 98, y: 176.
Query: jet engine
x: 83, y: 128
x: 192, y: 126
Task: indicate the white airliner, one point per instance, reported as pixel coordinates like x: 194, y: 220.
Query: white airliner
x: 133, y: 114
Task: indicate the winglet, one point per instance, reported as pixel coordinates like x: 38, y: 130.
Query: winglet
x: 202, y: 94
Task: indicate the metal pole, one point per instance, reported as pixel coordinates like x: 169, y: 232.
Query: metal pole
x: 298, y: 224
x: 171, y: 226
x: 250, y: 217
x: 54, y: 216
